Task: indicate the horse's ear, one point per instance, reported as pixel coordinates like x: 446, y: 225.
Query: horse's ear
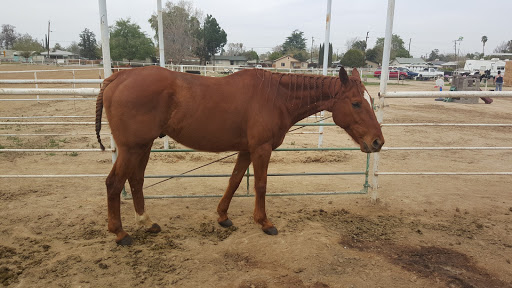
x: 355, y: 73
x: 343, y: 75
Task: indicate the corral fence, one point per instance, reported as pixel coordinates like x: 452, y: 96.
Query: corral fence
x: 383, y: 94
x: 90, y: 95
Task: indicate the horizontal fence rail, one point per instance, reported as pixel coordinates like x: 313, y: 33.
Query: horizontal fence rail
x: 448, y: 124
x: 446, y: 94
x: 445, y: 148
x: 444, y: 173
x: 54, y: 70
x: 50, y: 91
x: 51, y: 81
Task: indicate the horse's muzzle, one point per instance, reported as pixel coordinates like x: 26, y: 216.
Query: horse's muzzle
x: 375, y: 146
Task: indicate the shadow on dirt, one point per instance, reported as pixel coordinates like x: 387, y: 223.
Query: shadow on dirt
x: 387, y: 236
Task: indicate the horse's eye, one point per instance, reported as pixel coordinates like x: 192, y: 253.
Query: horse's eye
x: 356, y: 105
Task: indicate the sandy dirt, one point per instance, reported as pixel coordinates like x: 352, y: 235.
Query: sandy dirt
x: 425, y: 231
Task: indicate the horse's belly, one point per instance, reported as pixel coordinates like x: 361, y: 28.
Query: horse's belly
x: 209, y: 137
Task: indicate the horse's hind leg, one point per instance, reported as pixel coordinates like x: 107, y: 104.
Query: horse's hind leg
x: 136, y: 181
x: 115, y: 183
x: 242, y: 162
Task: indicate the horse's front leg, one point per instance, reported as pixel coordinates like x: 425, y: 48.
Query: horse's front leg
x: 260, y: 158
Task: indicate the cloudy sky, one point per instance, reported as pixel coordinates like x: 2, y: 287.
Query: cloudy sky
x: 264, y: 24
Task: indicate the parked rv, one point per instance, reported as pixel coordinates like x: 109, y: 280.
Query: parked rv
x: 494, y: 65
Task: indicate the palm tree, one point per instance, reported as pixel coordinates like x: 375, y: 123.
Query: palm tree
x: 484, y: 39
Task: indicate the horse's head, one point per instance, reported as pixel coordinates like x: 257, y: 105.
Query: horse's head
x: 353, y: 112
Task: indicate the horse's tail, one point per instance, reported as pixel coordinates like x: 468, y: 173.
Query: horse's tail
x: 99, y: 107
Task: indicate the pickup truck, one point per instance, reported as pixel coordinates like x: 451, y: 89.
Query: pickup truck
x: 393, y: 74
x: 429, y: 73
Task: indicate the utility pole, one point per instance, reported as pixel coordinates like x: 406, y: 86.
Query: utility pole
x: 48, y: 40
x: 312, y: 40
x: 366, y: 45
x: 410, y: 39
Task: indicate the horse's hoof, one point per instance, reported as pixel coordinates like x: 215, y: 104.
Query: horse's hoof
x: 226, y: 223
x: 155, y: 228
x: 126, y: 241
x: 270, y: 231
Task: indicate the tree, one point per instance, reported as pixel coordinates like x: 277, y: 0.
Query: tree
x: 235, y: 49
x: 474, y: 56
x: 8, y: 36
x: 251, y: 55
x: 275, y: 55
x: 295, y: 46
x: 433, y: 55
x: 73, y: 48
x: 295, y: 42
x: 27, y: 46
x: 374, y: 54
x: 321, y: 56
x: 181, y: 23
x: 397, y: 48
x: 87, y: 44
x: 128, y: 42
x: 353, y: 58
x: 359, y: 45
x: 484, y: 39
x: 504, y: 47
x: 56, y: 47
x: 211, y: 38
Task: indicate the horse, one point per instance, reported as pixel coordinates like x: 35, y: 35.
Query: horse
x: 248, y: 111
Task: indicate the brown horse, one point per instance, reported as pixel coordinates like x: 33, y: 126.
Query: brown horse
x: 249, y: 111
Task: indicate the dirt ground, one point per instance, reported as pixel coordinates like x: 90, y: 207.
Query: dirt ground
x: 425, y: 231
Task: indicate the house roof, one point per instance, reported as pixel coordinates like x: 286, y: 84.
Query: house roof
x: 451, y: 63
x: 285, y: 56
x: 61, y: 53
x: 231, y: 58
x: 402, y: 60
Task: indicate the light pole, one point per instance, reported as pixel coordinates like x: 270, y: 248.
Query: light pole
x: 457, y: 52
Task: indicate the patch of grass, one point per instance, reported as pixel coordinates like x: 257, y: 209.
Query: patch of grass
x: 17, y: 141
x: 73, y: 154
x: 53, y: 144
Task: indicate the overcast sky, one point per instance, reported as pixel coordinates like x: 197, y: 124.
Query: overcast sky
x: 264, y: 24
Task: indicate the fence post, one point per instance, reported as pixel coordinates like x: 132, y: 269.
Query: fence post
x: 383, y: 86
x: 35, y: 78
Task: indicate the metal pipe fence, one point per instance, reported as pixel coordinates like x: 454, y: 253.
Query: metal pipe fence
x: 94, y: 92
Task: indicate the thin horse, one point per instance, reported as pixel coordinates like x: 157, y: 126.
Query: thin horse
x: 249, y: 111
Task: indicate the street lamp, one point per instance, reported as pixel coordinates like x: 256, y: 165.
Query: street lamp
x: 457, y: 52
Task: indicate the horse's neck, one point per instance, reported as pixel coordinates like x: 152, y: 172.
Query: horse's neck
x: 305, y: 95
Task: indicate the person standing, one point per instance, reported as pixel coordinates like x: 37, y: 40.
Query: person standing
x: 440, y: 83
x: 499, y: 81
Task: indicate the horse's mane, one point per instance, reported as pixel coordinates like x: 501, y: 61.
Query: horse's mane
x: 299, y: 85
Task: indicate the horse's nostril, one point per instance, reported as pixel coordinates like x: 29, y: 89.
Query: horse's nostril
x: 376, y: 144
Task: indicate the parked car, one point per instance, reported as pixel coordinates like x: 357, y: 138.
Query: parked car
x: 410, y: 74
x: 393, y: 74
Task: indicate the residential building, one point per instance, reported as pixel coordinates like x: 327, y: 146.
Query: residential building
x: 230, y: 60
x: 288, y: 62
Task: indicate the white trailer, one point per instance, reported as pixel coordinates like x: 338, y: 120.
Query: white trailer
x: 494, y: 65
